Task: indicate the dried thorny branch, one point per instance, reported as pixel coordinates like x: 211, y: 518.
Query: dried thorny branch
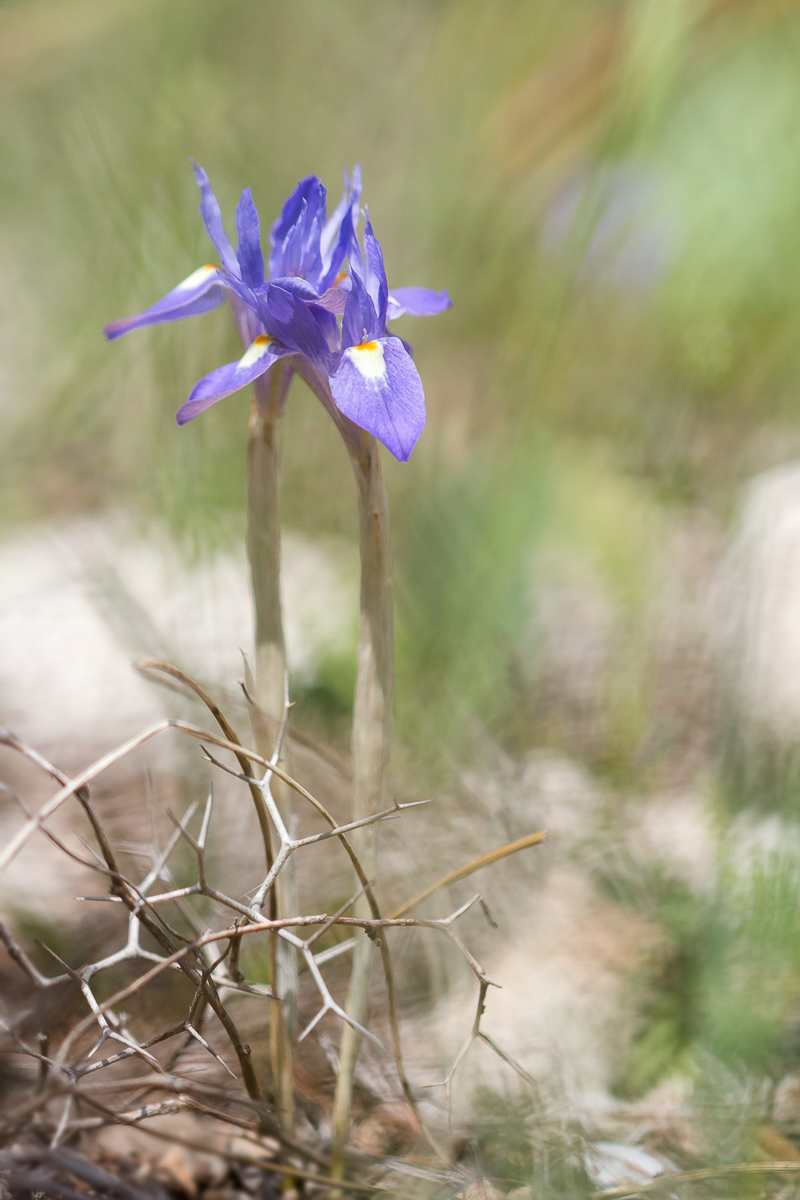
x: 191, y: 926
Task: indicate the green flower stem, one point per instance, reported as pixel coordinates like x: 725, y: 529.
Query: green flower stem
x: 372, y: 720
x: 264, y: 552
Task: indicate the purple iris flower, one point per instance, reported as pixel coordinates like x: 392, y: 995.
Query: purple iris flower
x: 374, y: 381
x: 316, y: 271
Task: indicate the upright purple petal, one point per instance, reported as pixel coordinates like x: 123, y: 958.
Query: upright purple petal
x: 360, y: 322
x: 351, y: 198
x: 257, y: 359
x: 293, y: 234
x: 417, y: 302
x: 376, y: 274
x: 212, y: 219
x: 201, y: 291
x: 345, y: 246
x: 286, y: 259
x: 291, y: 209
x: 378, y: 387
x: 248, y: 232
x: 338, y: 239
x: 311, y: 261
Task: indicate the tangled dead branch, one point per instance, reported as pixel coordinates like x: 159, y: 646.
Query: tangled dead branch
x: 103, y: 1071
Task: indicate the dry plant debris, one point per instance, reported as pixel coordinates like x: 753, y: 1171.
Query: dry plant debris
x: 106, y: 1072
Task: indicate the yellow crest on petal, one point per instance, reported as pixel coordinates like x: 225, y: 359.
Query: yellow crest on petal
x: 369, y: 361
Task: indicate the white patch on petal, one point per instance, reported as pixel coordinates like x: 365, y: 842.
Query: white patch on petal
x: 196, y: 279
x: 369, y: 361
x: 257, y: 349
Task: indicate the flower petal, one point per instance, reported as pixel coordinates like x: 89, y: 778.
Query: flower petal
x: 291, y: 209
x: 257, y: 359
x: 378, y: 387
x: 359, y: 323
x: 201, y: 291
x: 212, y: 219
x: 376, y: 274
x: 345, y: 246
x: 351, y: 198
x: 333, y: 299
x: 293, y: 322
x: 338, y: 239
x: 299, y: 287
x: 248, y: 232
x: 417, y: 302
x: 294, y: 237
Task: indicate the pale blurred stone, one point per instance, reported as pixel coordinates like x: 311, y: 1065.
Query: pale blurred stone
x: 389, y: 1129
x: 786, y: 1104
x: 80, y: 602
x: 757, y: 608
x: 565, y: 1010
x: 481, y: 1189
x: 677, y: 831
x: 611, y: 1164
x: 180, y: 1166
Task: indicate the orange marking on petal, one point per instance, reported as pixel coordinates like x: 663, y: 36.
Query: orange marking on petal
x: 369, y: 361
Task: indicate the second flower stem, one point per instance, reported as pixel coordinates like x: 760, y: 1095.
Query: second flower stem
x: 372, y: 720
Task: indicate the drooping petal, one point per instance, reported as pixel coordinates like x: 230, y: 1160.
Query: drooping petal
x: 212, y: 219
x: 294, y: 323
x: 257, y: 359
x: 201, y: 291
x: 378, y: 387
x: 334, y: 299
x: 299, y: 287
x: 323, y: 308
x: 417, y: 302
x: 248, y: 232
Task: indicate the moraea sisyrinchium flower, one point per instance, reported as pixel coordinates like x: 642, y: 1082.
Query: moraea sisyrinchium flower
x: 316, y: 271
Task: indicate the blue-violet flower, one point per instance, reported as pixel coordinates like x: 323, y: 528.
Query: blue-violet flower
x: 316, y: 272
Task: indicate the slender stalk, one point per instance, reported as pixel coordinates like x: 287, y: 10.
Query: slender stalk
x: 370, y: 742
x: 264, y: 552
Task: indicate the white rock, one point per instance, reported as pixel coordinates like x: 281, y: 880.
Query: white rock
x: 757, y: 608
x: 611, y: 1164
x: 677, y: 831
x: 564, y: 1009
x: 80, y: 602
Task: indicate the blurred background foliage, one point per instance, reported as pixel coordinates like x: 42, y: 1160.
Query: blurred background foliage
x: 610, y: 190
